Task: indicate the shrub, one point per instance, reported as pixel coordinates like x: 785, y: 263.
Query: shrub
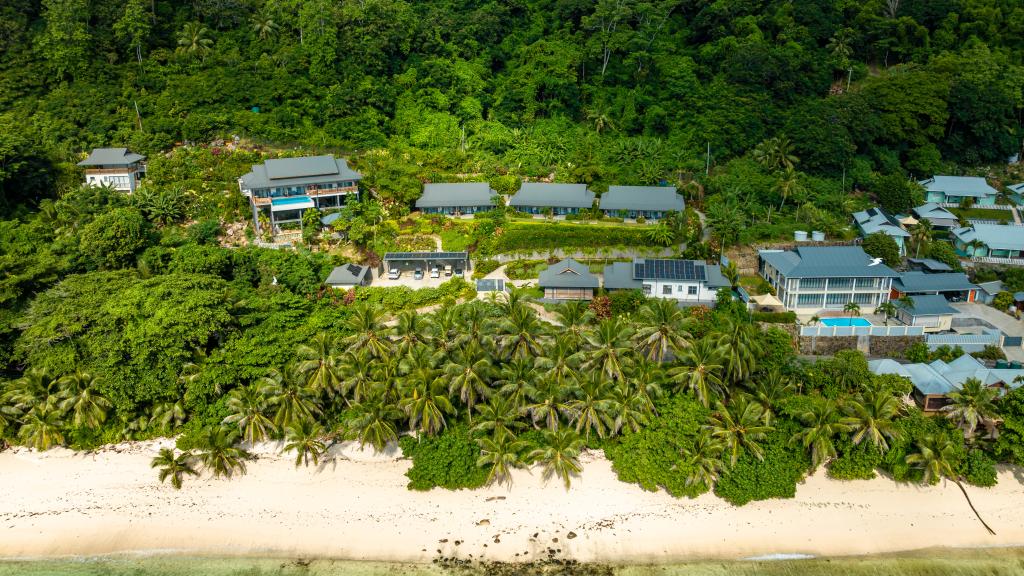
x: 979, y: 469
x: 404, y: 298
x: 444, y: 461
x: 774, y: 477
x: 518, y: 236
x: 625, y: 301
x: 113, y: 239
x: 205, y: 232
x: 523, y: 269
x: 775, y: 317
x: 855, y: 462
x: 991, y: 352
x: 917, y: 352
x: 484, y: 267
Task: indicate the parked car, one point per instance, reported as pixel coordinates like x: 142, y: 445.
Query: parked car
x: 458, y: 272
x: 448, y: 270
x: 435, y: 272
x: 394, y: 274
x: 418, y: 274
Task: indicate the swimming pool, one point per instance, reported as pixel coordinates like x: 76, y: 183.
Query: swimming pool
x: 845, y: 322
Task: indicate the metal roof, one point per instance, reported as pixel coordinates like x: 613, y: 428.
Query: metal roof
x: 554, y: 195
x: 930, y: 305
x: 826, y: 262
x: 875, y: 220
x: 111, y: 157
x: 916, y: 281
x: 931, y: 264
x: 995, y: 236
x: 347, y: 274
x: 975, y: 186
x: 444, y: 194
x: 425, y: 256
x: 942, y: 378
x: 619, y: 276
x: 645, y: 269
x: 302, y: 171
x: 994, y: 287
x: 567, y: 274
x: 1018, y: 188
x: 490, y: 285
x: 661, y: 198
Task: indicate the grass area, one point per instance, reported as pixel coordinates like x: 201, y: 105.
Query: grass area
x: 755, y: 285
x: 530, y: 269
x: 455, y: 240
x: 984, y: 214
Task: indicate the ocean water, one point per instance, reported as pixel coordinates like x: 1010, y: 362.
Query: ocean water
x: 939, y: 562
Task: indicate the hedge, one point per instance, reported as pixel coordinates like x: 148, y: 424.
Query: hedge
x: 404, y: 298
x: 775, y: 317
x: 521, y: 236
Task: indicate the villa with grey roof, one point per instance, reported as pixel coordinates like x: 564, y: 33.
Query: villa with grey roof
x: 648, y: 202
x: 812, y: 278
x: 934, y: 381
x: 558, y: 199
x: 932, y: 312
x: 568, y: 280
x: 953, y: 189
x: 349, y: 276
x: 991, y: 240
x: 949, y: 285
x: 456, y: 198
x: 877, y: 220
x: 685, y: 281
x: 939, y: 217
x: 282, y: 189
x: 118, y: 168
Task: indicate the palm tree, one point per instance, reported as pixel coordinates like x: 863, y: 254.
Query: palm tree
x: 518, y: 334
x: 823, y: 421
x: 442, y: 329
x: 662, y: 328
x: 82, y: 398
x: 920, y: 234
x: 646, y: 379
x: 739, y: 345
x: 194, y: 40
x: 888, y: 309
x: 739, y: 426
x: 592, y: 404
x: 559, y: 455
x: 426, y: 405
x: 704, y: 460
x: 840, y: 46
x: 573, y: 316
x: 660, y: 234
x: 219, y: 455
x: 41, y: 427
x: 516, y: 380
x: 561, y: 361
x: 700, y: 366
x: 469, y: 370
x: 247, y: 407
x: 287, y: 391
x: 731, y: 273
x: 304, y: 437
x: 871, y: 416
x: 601, y: 119
x: 609, y: 350
x: 776, y: 154
x: 972, y: 404
x: 499, y: 417
x: 787, y: 185
x: 174, y: 467
x: 371, y: 421
x: 369, y: 332
x: 629, y: 408
x: 852, y: 308
x: 35, y: 387
x: 409, y: 332
x: 768, y: 390
x: 320, y: 361
x: 263, y: 26
x: 501, y: 453
x: 937, y: 458
x: 167, y: 416
x: 548, y: 401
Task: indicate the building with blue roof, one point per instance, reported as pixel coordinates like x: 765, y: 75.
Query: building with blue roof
x: 281, y: 189
x: 953, y: 189
x: 939, y: 217
x: 812, y: 278
x: 950, y: 285
x: 931, y: 312
x: 877, y: 220
x: 934, y: 381
x: 648, y: 202
x: 992, y: 240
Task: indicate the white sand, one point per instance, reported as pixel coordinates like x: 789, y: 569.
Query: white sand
x: 62, y: 503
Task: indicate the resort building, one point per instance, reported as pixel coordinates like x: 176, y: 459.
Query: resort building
x: 115, y: 167
x: 953, y: 286
x: 812, y: 278
x: 934, y: 381
x: 686, y: 281
x: 558, y: 199
x: 875, y: 220
x: 939, y: 217
x: 282, y: 189
x: 456, y: 198
x: 954, y: 189
x: 568, y: 280
x: 349, y: 276
x: 648, y: 202
x: 991, y: 240
x: 931, y: 312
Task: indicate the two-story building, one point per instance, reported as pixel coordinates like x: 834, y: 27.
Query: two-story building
x: 648, y: 202
x: 812, y: 278
x: 282, y: 189
x: 558, y: 199
x: 877, y: 220
x: 118, y: 168
x: 687, y: 281
x: 954, y: 189
x: 992, y: 240
x: 456, y: 198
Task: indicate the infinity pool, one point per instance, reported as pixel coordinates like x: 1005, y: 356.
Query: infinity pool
x: 845, y: 322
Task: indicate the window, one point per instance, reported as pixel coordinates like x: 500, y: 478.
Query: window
x: 812, y: 283
x: 863, y: 299
x: 837, y: 299
x: 666, y: 289
x: 808, y: 300
x: 692, y: 290
x: 868, y: 283
x: 647, y: 289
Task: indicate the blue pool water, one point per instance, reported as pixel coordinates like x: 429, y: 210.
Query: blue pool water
x: 289, y: 200
x: 845, y: 322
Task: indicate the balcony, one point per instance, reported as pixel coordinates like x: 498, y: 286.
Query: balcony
x: 102, y: 171
x: 310, y: 192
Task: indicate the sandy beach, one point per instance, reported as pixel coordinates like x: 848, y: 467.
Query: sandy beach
x: 356, y: 506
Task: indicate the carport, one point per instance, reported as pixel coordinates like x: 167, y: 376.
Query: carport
x: 425, y: 260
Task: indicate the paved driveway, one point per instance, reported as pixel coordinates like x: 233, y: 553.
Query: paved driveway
x: 1008, y: 324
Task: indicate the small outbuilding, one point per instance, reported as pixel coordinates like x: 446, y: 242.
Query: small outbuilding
x: 349, y: 276
x: 568, y: 280
x: 932, y: 312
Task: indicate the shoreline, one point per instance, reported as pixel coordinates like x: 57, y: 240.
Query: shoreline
x: 66, y: 505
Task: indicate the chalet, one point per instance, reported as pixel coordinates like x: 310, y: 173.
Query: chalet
x: 456, y: 198
x: 991, y: 240
x: 934, y: 381
x: 939, y: 217
x: 115, y: 167
x: 875, y: 220
x: 954, y: 189
x: 568, y: 280
x: 558, y: 199
x: 685, y: 281
x: 349, y: 276
x: 649, y: 202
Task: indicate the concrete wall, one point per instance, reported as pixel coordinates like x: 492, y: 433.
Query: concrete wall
x: 882, y: 346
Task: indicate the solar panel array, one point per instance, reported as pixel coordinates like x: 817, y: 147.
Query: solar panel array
x: 426, y: 256
x: 669, y: 270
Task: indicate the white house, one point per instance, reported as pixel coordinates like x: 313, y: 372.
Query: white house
x: 115, y: 167
x: 688, y: 281
x: 812, y: 278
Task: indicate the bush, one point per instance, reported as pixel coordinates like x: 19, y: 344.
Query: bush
x: 113, y: 239
x: 485, y: 267
x: 774, y: 317
x: 205, y: 232
x: 917, y: 352
x: 855, y: 462
x: 625, y: 301
x: 444, y: 461
x: 991, y: 352
x: 883, y: 246
x: 523, y: 269
x: 774, y: 477
x: 520, y: 236
x: 404, y: 298
x: 979, y: 470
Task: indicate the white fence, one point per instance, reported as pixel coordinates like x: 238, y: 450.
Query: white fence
x: 834, y: 331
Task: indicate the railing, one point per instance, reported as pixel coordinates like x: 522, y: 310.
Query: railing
x: 1004, y: 261
x: 836, y: 331
x: 312, y: 193
x: 97, y: 171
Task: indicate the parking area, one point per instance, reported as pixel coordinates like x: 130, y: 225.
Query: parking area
x: 407, y: 278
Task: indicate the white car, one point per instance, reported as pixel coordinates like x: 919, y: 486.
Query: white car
x: 435, y: 272
x: 394, y: 274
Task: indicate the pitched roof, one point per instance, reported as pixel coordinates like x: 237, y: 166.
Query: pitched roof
x: 995, y: 236
x: 298, y: 172
x: 567, y: 274
x: 930, y: 305
x: 444, y: 194
x: 942, y: 378
x: 826, y: 262
x: 875, y: 220
x: 347, y: 274
x: 661, y: 198
x: 992, y: 288
x: 931, y: 264
x: 917, y: 281
x: 1018, y: 188
x: 111, y: 157
x: 975, y: 186
x: 619, y: 276
x: 553, y: 195
x: 933, y: 212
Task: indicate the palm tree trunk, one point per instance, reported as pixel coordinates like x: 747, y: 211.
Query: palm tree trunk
x: 971, y: 504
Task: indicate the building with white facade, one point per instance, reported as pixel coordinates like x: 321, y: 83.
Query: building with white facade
x: 115, y: 167
x: 812, y: 278
x: 686, y: 281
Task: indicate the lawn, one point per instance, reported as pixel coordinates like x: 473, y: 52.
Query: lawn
x: 983, y: 214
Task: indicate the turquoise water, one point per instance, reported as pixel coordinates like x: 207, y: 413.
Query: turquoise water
x: 845, y: 322
x: 290, y: 200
